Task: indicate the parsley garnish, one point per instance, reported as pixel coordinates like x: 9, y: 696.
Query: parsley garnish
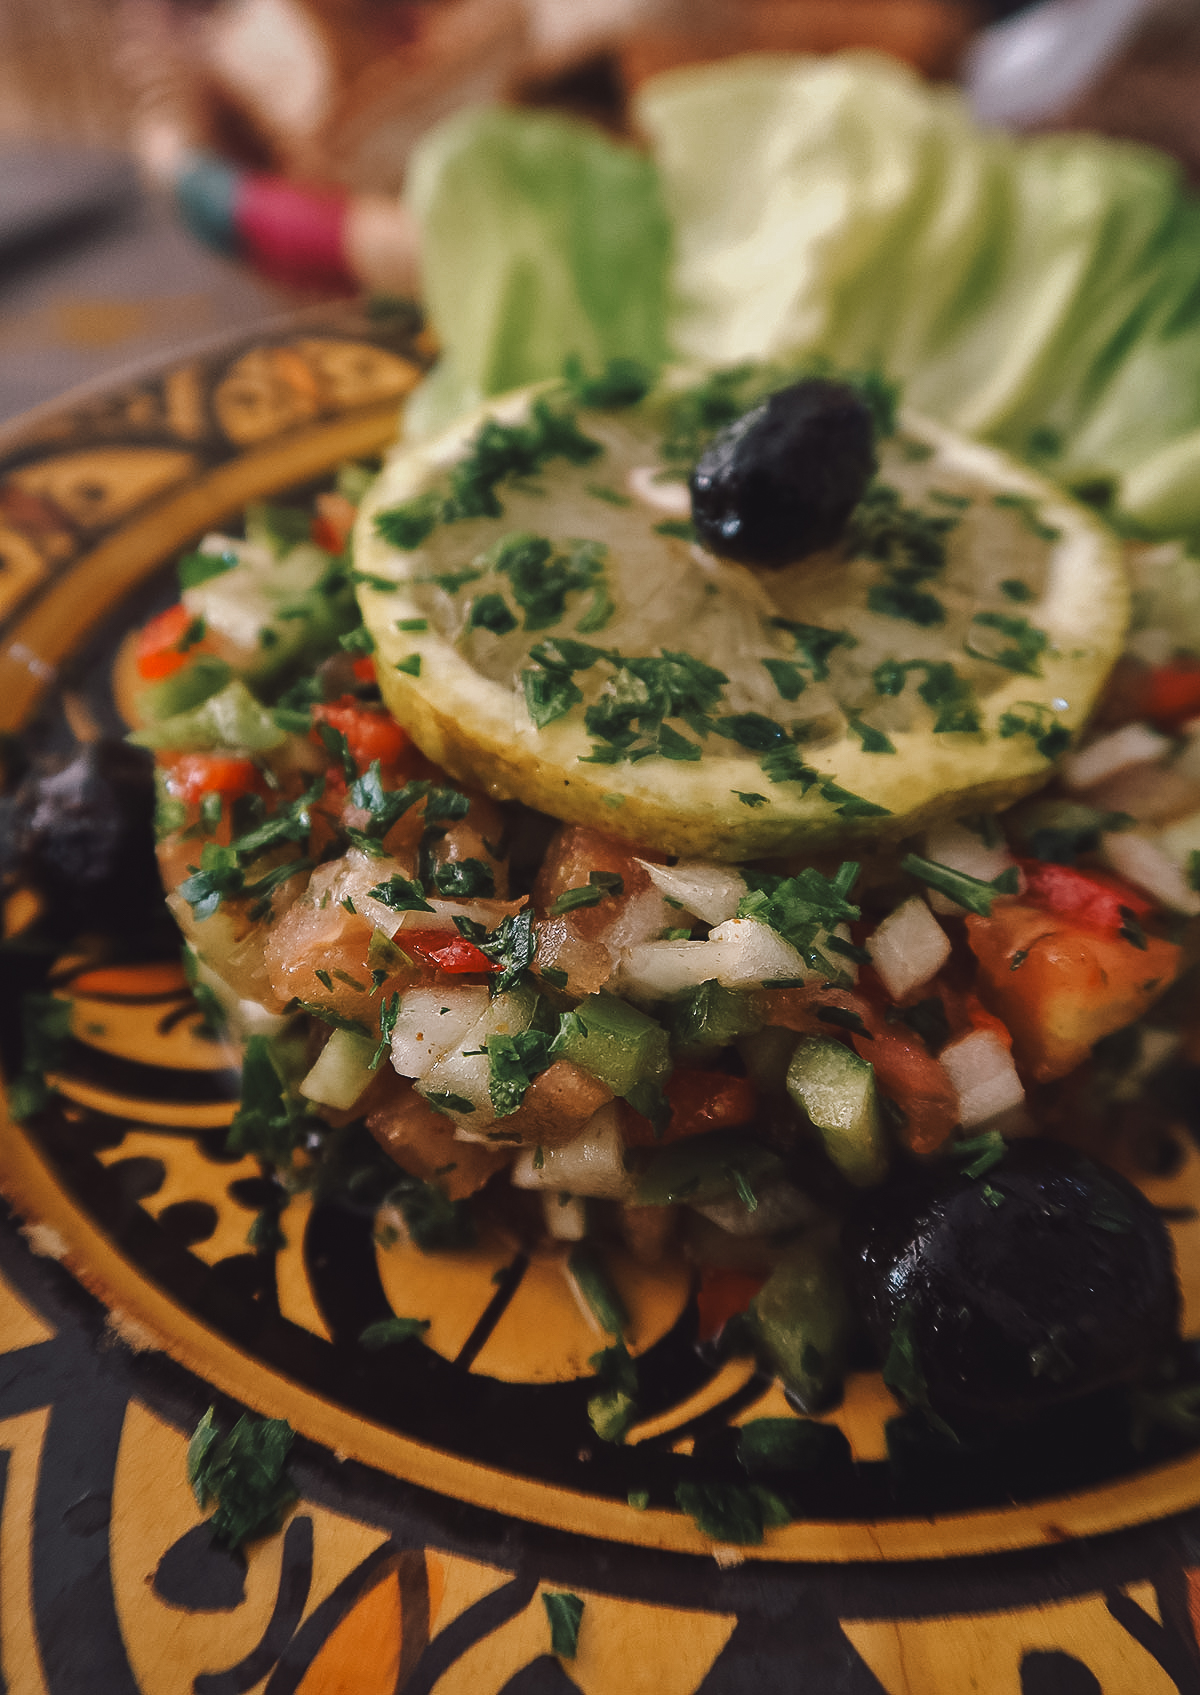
x: 1073, y: 830
x: 45, y: 1027
x: 542, y: 579
x: 511, y: 946
x: 564, y: 1612
x: 814, y: 645
x: 1012, y: 588
x: 358, y: 641
x: 613, y: 1408
x: 750, y: 799
x: 950, y: 696
x: 389, y: 1012
x: 491, y: 612
x: 591, y: 893
x: 1026, y: 507
x: 732, y: 1512
x: 873, y: 740
x: 971, y: 892
x: 910, y: 545
x: 623, y: 382
x: 799, y: 908
x: 498, y: 453
x: 513, y: 1063
x: 401, y: 894
x: 387, y: 1331
x: 244, y: 1473
x: 197, y: 568
x: 1028, y: 643
x: 844, y: 1018
x: 787, y: 676
x: 682, y: 529
x: 927, y: 1018
x: 611, y: 496
x: 1049, y: 737
x: 978, y: 1154
x: 410, y: 665
x: 903, y: 601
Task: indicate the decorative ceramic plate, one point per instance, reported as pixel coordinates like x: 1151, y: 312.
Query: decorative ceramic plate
x: 441, y: 1485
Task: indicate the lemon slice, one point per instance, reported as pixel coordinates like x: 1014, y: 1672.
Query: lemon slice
x: 575, y: 650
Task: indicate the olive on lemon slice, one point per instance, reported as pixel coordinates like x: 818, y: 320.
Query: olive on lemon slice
x: 547, y: 626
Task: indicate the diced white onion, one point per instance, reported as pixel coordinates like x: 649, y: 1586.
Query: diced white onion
x: 963, y: 850
x: 703, y: 888
x: 430, y: 1022
x: 1132, y: 744
x: 1144, y: 864
x: 565, y: 1216
x: 781, y: 1206
x: 739, y: 954
x: 670, y: 494
x: 908, y: 948
x: 984, y: 1076
x: 593, y: 1164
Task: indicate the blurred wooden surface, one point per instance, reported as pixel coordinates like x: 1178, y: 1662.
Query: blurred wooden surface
x: 58, y: 77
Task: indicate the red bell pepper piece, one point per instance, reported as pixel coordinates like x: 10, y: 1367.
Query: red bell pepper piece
x: 454, y: 955
x: 162, y: 648
x: 370, y: 732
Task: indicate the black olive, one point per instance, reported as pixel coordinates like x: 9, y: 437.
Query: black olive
x: 82, y: 833
x: 780, y: 482
x: 1044, y: 1279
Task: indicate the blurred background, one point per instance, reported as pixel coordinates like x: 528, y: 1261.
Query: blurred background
x: 175, y: 169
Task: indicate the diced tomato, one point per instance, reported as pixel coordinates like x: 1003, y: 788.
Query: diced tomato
x: 699, y: 1101
x: 906, y: 1072
x: 194, y: 775
x: 574, y: 853
x: 1171, y: 693
x: 454, y: 955
x: 723, y: 1293
x: 1085, y: 897
x: 364, y: 669
x: 370, y: 733
x: 161, y: 646
x: 334, y: 520
x: 1061, y: 983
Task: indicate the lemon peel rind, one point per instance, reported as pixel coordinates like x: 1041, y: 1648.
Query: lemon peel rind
x: 479, y: 729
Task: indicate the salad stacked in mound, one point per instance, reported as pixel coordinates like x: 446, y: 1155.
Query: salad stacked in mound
x: 637, y: 871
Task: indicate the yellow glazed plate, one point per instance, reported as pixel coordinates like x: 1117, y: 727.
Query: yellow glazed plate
x: 125, y: 1180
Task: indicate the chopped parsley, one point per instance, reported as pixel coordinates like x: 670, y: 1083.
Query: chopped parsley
x: 197, y: 568
x: 978, y: 1154
x: 591, y: 893
x: 611, y: 496
x: 844, y: 1018
x: 1027, y: 643
x: 401, y: 894
x: 465, y: 879
x: 971, y: 892
x: 623, y: 382
x: 682, y: 529
x: 510, y: 946
x: 873, y: 740
x: 732, y: 1512
x: 389, y: 1012
x: 788, y: 677
x: 799, y: 908
x: 564, y: 1611
x: 244, y: 1473
x: 513, y: 1063
x: 613, y: 1408
x: 1037, y: 721
x: 410, y: 665
x: 358, y: 641
x: 1012, y: 588
x: 950, y: 696
x: 498, y: 453
x: 910, y: 546
x: 491, y: 612
x: 541, y: 578
x: 385, y: 1332
x: 814, y: 645
x: 416, y: 625
x: 750, y: 799
x: 1131, y: 928
x: 1026, y: 508
x: 45, y: 1027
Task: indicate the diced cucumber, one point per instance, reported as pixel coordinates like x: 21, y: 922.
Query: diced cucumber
x: 615, y: 1042
x: 704, y: 1170
x: 186, y: 689
x: 342, y: 1072
x: 802, y: 1320
x: 277, y: 611
x: 459, y: 1083
x: 230, y: 718
x: 836, y: 1090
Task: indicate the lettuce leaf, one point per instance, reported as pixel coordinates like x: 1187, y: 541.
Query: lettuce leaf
x: 1041, y: 292
x: 541, y: 238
